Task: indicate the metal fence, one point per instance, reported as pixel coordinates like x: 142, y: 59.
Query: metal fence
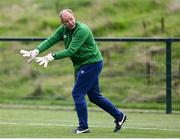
x: 167, y: 42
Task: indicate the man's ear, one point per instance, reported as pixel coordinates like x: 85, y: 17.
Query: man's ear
x: 62, y: 21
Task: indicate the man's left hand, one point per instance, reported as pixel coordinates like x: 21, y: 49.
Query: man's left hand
x: 45, y: 59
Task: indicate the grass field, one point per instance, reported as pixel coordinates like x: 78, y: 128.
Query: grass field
x: 130, y: 69
x: 60, y: 123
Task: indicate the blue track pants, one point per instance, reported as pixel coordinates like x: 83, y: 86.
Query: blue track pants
x: 87, y: 82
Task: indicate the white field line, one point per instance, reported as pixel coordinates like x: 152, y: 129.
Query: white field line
x: 66, y: 125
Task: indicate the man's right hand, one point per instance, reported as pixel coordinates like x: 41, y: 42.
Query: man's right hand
x: 29, y: 54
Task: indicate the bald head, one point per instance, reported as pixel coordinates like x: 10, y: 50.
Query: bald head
x: 67, y: 18
x: 61, y: 13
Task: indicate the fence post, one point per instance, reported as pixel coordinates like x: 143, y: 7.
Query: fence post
x: 168, y: 77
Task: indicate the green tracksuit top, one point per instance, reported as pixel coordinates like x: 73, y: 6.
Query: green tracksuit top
x: 79, y: 43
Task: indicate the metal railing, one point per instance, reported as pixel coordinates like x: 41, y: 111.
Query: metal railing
x: 168, y: 42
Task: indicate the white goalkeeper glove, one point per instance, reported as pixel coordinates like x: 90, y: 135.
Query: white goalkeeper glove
x: 29, y: 54
x: 45, y: 59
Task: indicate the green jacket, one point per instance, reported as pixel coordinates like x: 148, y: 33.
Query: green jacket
x: 79, y: 43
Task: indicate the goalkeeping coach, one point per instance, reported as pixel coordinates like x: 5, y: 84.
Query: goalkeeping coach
x: 87, y: 60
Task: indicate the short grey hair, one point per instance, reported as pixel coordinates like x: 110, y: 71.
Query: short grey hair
x: 65, y: 10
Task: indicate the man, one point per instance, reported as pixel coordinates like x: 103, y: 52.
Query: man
x: 82, y: 49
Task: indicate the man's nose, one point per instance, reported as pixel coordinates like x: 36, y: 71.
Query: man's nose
x: 70, y: 22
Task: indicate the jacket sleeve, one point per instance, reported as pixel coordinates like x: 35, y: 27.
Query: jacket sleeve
x: 77, y: 41
x: 51, y: 40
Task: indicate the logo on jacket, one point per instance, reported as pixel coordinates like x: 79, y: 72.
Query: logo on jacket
x: 64, y: 36
x: 82, y: 71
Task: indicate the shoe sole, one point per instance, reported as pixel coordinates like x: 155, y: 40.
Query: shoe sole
x: 84, y: 131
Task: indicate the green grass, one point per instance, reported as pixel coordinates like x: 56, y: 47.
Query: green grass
x: 125, y: 76
x: 123, y: 79
x: 39, y: 123
x: 111, y: 18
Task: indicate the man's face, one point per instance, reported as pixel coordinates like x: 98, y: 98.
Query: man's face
x: 68, y: 20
